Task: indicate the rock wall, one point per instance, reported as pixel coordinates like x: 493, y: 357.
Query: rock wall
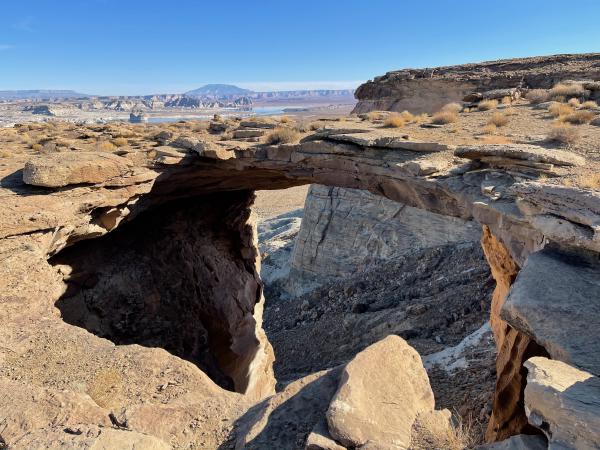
x: 426, y: 90
x: 347, y: 230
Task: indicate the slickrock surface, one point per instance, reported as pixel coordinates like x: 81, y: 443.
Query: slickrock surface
x: 179, y: 171
x: 428, y: 89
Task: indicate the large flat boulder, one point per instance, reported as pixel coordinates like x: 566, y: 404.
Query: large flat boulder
x: 381, y: 392
x: 564, y: 402
x: 518, y: 442
x: 524, y: 154
x: 556, y: 300
x: 69, y: 168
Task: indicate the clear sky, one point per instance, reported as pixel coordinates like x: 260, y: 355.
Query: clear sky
x: 152, y: 46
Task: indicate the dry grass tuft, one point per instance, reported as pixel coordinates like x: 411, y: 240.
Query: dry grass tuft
x: 281, y: 136
x: 106, y: 146
x: 559, y: 109
x: 395, y: 120
x: 486, y: 105
x: 499, y: 119
x: 36, y: 147
x: 375, y: 115
x: 564, y: 134
x: 590, y: 104
x: 506, y: 100
x: 120, y: 141
x: 285, y: 119
x: 537, y: 96
x: 444, y: 117
x: 314, y: 126
x: 408, y: 116
x: 452, y: 108
x: 490, y: 128
x: 574, y: 103
x: 430, y: 432
x: 579, y: 117
x: 563, y: 91
x: 590, y: 181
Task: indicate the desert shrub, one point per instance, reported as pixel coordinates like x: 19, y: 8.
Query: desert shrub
x: 374, y: 115
x: 579, y: 117
x: 281, y: 136
x: 285, y: 119
x: 590, y: 181
x: 106, y: 146
x: 499, y: 119
x: 443, y: 117
x: 314, y: 126
x: 394, y: 120
x: 452, y: 108
x: 506, y: 100
x: 574, y: 103
x: 120, y: 141
x: 407, y: 116
x: 564, y: 134
x: 486, y: 105
x: 537, y: 96
x: 590, y: 104
x: 559, y: 109
x: 490, y: 128
x: 36, y: 147
x: 563, y: 91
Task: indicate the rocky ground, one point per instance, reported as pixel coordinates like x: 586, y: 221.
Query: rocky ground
x: 433, y: 298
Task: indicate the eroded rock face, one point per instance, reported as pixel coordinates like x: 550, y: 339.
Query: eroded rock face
x: 426, y: 90
x: 345, y: 231
x: 174, y: 278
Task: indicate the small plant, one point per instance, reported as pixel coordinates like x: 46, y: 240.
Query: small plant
x: 537, y: 96
x: 395, y: 120
x: 285, y: 119
x: 579, y: 117
x: 486, y: 105
x: 407, y: 116
x: 563, y: 91
x: 120, y: 142
x: 559, y: 109
x: 498, y: 119
x: 36, y: 147
x: 374, y: 115
x: 106, y: 146
x: 564, y: 134
x: 506, y: 100
x: 574, y: 103
x: 444, y: 117
x: 314, y: 126
x: 452, y: 108
x: 281, y: 136
x: 590, y: 181
x: 490, y: 128
x: 590, y: 104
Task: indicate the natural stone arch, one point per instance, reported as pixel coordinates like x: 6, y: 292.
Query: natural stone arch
x: 390, y: 168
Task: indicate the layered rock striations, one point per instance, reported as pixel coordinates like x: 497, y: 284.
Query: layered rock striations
x: 428, y: 89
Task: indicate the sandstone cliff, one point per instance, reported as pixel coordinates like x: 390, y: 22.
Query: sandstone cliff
x: 344, y: 231
x: 428, y: 89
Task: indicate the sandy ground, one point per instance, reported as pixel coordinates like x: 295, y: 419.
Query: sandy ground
x: 274, y: 203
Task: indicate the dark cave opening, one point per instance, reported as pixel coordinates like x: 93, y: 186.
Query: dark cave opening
x: 178, y: 277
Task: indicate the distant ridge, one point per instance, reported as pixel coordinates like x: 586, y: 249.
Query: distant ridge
x: 218, y: 90
x: 40, y: 94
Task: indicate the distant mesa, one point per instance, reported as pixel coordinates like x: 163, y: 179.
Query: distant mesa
x: 40, y: 94
x: 218, y: 90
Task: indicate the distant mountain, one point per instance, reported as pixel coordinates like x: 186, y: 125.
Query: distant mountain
x: 39, y: 94
x: 218, y: 90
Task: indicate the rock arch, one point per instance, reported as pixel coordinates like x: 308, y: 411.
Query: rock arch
x: 86, y: 196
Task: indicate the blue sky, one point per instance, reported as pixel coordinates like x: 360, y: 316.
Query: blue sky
x: 151, y: 46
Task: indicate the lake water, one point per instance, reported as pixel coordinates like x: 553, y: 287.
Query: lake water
x: 260, y: 111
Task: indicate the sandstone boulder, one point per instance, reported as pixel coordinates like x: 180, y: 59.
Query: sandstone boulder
x: 68, y: 168
x: 381, y: 392
x: 564, y: 402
